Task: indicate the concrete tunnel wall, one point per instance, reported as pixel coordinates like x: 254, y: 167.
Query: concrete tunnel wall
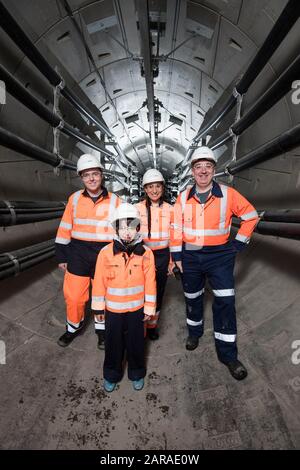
x: 267, y: 274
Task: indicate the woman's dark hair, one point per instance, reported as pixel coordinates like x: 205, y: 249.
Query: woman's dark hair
x: 148, y: 207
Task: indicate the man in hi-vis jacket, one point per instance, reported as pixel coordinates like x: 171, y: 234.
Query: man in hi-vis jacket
x: 204, y: 212
x: 83, y: 231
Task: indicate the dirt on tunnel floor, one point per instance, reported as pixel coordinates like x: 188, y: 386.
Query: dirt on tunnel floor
x: 53, y: 398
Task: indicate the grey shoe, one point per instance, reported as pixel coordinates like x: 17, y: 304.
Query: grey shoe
x: 138, y: 384
x: 109, y: 386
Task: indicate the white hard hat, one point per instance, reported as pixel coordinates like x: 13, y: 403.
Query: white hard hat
x: 203, y: 153
x: 152, y: 176
x: 125, y: 211
x: 87, y: 161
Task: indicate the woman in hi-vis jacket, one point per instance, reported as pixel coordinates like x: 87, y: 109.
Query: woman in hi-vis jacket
x: 159, y: 234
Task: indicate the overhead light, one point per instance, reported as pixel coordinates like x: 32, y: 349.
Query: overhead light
x: 235, y: 45
x: 133, y: 118
x: 63, y: 37
x: 198, y: 28
x: 175, y: 120
x: 100, y: 25
x: 91, y: 83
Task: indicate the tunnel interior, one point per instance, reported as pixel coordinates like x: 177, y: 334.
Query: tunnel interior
x: 140, y: 84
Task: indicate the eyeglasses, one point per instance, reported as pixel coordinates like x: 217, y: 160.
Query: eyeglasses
x: 94, y: 174
x: 128, y: 228
x: 207, y: 165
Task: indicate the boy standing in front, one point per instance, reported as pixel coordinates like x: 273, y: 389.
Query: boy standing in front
x: 125, y: 290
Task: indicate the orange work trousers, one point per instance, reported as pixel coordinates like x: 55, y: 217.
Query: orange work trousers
x: 76, y: 293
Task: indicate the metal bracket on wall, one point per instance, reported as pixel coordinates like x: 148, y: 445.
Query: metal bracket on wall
x: 235, y: 138
x: 12, y: 212
x: 56, y: 169
x: 239, y: 99
x: 15, y: 261
x: 56, y: 150
x: 56, y: 130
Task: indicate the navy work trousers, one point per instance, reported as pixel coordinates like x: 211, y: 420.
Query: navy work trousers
x: 217, y: 266
x: 124, y: 332
x: 162, y: 259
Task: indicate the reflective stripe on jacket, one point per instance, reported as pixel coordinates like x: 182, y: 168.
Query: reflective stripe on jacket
x: 210, y: 224
x: 163, y: 230
x: 124, y: 283
x: 88, y: 221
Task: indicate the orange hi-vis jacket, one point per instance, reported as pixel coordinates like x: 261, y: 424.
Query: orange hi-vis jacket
x: 163, y: 230
x: 124, y: 283
x: 209, y: 224
x: 87, y: 221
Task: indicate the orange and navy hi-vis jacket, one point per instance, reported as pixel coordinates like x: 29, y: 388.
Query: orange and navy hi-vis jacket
x: 122, y: 282
x: 210, y: 224
x: 87, y: 221
x: 163, y: 231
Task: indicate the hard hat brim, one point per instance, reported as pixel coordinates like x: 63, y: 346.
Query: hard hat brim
x: 203, y: 158
x: 152, y: 182
x: 91, y: 168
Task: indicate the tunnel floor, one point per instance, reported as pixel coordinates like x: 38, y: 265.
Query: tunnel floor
x: 52, y: 398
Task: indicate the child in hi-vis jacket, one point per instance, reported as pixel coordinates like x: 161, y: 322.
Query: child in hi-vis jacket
x: 124, y: 289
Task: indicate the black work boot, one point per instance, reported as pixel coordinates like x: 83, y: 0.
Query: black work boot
x: 101, y: 339
x: 237, y: 370
x: 191, y: 343
x: 152, y: 333
x: 66, y: 339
